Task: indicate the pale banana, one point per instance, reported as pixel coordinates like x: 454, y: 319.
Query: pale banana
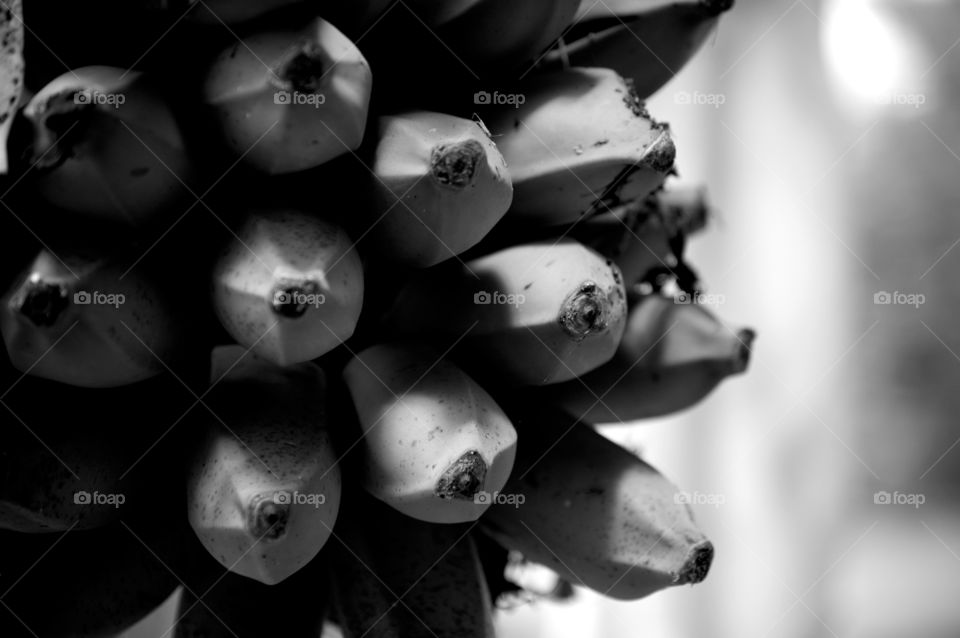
x: 595, y: 513
x: 439, y: 186
x: 536, y: 313
x: 435, y: 441
x: 581, y: 141
x: 289, y: 285
x: 672, y: 356
x: 264, y: 487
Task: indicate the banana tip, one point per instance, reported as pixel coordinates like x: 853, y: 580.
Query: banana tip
x: 661, y: 154
x: 464, y: 478
x: 745, y: 338
x: 697, y: 565
x: 716, y: 7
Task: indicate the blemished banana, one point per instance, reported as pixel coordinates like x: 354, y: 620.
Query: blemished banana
x: 289, y: 285
x: 88, y: 322
x: 435, y: 441
x: 648, y: 47
x: 595, y: 513
x: 107, y: 146
x: 439, y: 186
x: 292, y: 99
x: 397, y: 577
x: 581, y: 141
x: 642, y: 235
x: 536, y: 313
x: 264, y: 488
x: 672, y: 356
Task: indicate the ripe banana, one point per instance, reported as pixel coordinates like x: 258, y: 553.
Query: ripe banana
x: 581, y: 141
x: 106, y: 146
x: 536, y: 313
x: 290, y: 99
x: 87, y: 322
x: 289, y: 287
x: 440, y: 185
x: 595, y: 513
x: 672, y: 355
x: 645, y: 234
x: 435, y: 440
x: 646, y: 46
x: 264, y: 488
x: 397, y: 577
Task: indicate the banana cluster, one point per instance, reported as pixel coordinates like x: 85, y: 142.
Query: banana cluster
x: 311, y: 309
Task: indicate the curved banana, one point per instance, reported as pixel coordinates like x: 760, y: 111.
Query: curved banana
x: 289, y: 286
x: 580, y: 142
x: 594, y: 9
x: 536, y: 313
x: 648, y: 47
x: 264, y: 487
x: 672, y: 356
x: 290, y: 99
x: 440, y: 185
x: 435, y: 440
x: 595, y: 513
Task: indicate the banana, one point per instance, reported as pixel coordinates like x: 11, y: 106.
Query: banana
x: 106, y: 146
x: 88, y: 322
x: 536, y: 313
x: 290, y: 99
x: 11, y: 74
x: 397, y: 577
x: 648, y: 47
x: 645, y: 234
x: 290, y: 286
x: 595, y: 513
x: 349, y: 15
x: 435, y: 441
x: 595, y: 9
x: 264, y: 488
x: 440, y: 185
x: 672, y: 355
x: 580, y: 141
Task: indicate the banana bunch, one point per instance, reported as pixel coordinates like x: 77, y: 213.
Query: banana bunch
x: 312, y: 326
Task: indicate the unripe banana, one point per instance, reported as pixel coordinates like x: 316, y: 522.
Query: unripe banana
x: 440, y: 185
x: 672, y: 355
x: 88, y: 322
x: 536, y: 313
x: 433, y: 570
x: 646, y: 46
x: 291, y: 99
x: 434, y: 439
x: 595, y: 513
x: 264, y: 488
x: 289, y: 286
x: 574, y: 157
x: 107, y: 146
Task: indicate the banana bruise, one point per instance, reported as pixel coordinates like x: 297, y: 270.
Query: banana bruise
x: 439, y: 186
x: 290, y: 99
x: 537, y: 313
x: 90, y: 322
x: 432, y: 586
x: 570, y: 158
x: 264, y: 487
x: 289, y: 285
x: 648, y: 47
x: 435, y: 441
x: 639, y: 236
x: 595, y: 513
x: 672, y: 356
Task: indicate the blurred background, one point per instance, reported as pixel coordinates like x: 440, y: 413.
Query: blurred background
x: 828, y: 135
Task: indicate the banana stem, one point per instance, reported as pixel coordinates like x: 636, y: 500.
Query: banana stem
x: 454, y: 165
x: 464, y: 478
x: 43, y: 302
x: 266, y: 518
